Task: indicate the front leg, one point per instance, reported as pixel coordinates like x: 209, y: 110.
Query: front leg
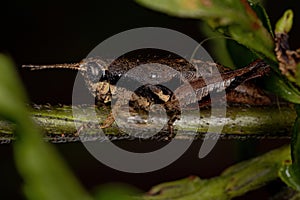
x: 142, y: 100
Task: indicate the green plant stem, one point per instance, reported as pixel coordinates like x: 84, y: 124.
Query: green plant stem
x: 234, y: 181
x: 241, y: 121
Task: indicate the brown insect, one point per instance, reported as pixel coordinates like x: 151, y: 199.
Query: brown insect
x: 101, y: 77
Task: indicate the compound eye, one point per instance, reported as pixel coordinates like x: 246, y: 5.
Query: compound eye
x: 93, y: 72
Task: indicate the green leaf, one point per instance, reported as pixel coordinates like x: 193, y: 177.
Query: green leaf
x: 229, y: 52
x: 12, y: 96
x: 45, y: 174
x: 217, y: 41
x: 234, y: 181
x: 263, y: 16
x: 280, y: 86
x: 116, y: 191
x: 234, y: 18
x: 240, y: 55
x: 290, y: 171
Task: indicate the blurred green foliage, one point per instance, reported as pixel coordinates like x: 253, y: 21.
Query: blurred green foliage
x: 290, y: 172
x: 45, y: 174
x: 235, y: 19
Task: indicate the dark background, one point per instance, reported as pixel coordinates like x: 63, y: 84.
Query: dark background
x: 48, y: 32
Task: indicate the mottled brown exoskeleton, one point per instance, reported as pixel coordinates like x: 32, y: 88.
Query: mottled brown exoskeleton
x: 101, y: 77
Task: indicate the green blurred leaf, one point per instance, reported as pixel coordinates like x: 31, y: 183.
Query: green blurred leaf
x: 12, y: 97
x: 234, y: 18
x: 229, y: 52
x: 44, y: 172
x: 240, y: 55
x: 116, y: 191
x: 234, y: 181
x: 217, y: 46
x: 9, y: 79
x: 290, y: 171
x: 280, y: 86
x: 262, y: 15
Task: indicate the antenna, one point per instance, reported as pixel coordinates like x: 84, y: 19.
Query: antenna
x: 73, y: 66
